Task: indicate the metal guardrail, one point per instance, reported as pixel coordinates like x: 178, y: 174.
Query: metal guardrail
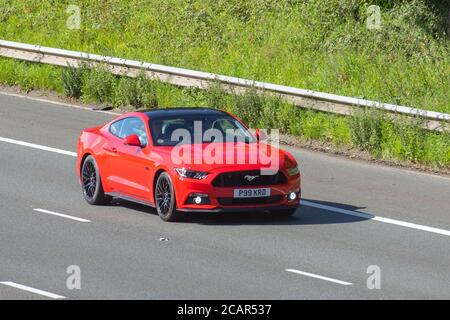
x: 190, y: 78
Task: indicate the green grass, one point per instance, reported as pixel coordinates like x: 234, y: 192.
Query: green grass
x: 320, y: 45
x: 372, y: 131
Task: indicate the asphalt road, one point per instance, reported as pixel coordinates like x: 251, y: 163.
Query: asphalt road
x: 121, y: 256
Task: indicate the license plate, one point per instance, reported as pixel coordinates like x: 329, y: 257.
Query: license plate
x: 252, y: 193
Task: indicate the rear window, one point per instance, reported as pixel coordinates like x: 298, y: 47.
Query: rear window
x: 116, y: 127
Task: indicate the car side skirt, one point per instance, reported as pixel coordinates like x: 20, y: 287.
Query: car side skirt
x: 130, y: 198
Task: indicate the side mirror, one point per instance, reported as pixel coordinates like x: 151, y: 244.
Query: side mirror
x: 132, y: 140
x: 260, y: 135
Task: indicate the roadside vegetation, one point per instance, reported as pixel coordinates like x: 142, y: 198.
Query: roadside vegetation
x: 322, y: 45
x: 319, y: 45
x: 368, y: 130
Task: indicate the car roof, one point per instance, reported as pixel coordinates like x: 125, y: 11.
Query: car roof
x: 181, y: 111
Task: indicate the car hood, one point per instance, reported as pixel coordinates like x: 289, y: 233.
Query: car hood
x: 219, y: 156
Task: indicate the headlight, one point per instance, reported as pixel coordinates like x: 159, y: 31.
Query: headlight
x: 182, y: 172
x: 293, y: 171
x: 291, y: 166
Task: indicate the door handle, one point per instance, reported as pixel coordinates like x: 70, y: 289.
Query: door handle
x: 112, y: 149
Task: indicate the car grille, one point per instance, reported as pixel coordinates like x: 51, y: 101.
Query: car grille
x: 249, y: 201
x: 241, y: 179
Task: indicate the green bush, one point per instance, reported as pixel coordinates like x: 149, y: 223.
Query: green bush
x: 138, y: 93
x: 98, y: 85
x: 413, y: 139
x: 269, y: 114
x: 72, y: 81
x: 367, y: 129
x: 147, y: 92
x: 249, y: 106
x: 216, y: 97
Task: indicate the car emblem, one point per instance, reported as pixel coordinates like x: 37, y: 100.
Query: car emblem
x: 250, y: 178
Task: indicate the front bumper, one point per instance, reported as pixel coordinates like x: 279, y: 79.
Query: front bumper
x: 240, y: 209
x: 186, y: 188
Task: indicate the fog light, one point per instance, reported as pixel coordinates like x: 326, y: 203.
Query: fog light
x: 292, y: 196
x: 198, y: 200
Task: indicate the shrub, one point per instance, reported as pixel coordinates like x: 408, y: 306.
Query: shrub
x: 138, y: 93
x: 72, y: 81
x: 270, y: 111
x: 248, y: 106
x: 216, y: 96
x: 98, y: 85
x: 413, y: 139
x: 367, y: 130
x: 146, y: 91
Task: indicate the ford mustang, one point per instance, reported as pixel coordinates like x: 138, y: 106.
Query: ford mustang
x: 181, y: 160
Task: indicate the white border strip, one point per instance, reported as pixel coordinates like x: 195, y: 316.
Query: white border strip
x: 377, y: 218
x: 38, y: 146
x: 303, y: 202
x: 32, y: 290
x: 312, y: 275
x: 61, y: 215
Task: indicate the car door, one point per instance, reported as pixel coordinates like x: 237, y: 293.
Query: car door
x: 110, y: 164
x: 131, y: 166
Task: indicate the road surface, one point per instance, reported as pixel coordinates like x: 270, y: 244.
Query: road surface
x: 356, y: 217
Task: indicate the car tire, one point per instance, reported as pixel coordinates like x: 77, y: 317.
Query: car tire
x: 165, y: 199
x: 284, y: 213
x: 91, y: 183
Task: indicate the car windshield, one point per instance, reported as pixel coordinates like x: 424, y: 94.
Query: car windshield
x: 191, y: 129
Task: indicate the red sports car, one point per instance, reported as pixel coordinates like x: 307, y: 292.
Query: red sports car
x: 181, y: 160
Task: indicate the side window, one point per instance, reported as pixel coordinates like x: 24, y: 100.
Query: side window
x: 116, y: 127
x: 134, y: 126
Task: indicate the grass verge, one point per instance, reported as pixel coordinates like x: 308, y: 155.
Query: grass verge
x: 322, y: 45
x: 371, y: 131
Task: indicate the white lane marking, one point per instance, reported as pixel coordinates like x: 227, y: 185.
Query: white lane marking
x: 303, y: 202
x: 61, y: 215
x: 376, y: 218
x: 32, y: 290
x: 57, y: 103
x: 38, y: 146
x: 118, y: 113
x: 312, y: 275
